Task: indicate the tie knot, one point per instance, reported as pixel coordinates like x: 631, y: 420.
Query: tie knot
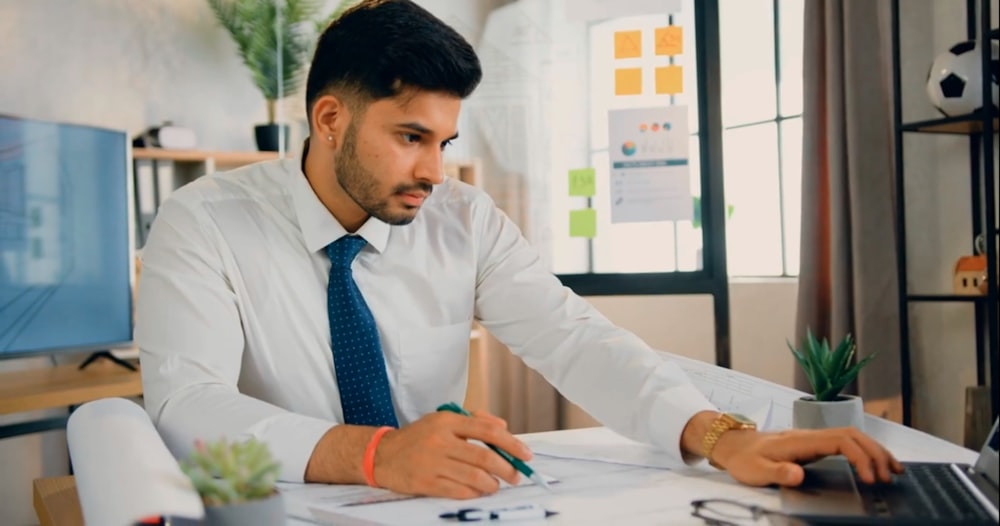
x: 343, y: 251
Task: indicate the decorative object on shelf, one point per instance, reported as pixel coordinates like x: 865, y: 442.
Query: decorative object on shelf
x: 166, y: 136
x: 970, y: 275
x: 954, y: 80
x: 828, y: 371
x: 236, y: 481
x: 259, y: 28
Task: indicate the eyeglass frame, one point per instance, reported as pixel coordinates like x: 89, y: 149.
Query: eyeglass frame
x: 756, y: 512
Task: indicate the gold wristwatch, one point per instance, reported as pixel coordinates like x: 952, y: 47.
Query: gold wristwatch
x: 724, y: 422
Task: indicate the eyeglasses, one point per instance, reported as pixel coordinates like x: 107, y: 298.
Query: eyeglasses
x: 725, y: 512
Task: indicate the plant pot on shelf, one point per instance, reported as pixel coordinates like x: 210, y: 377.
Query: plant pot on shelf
x: 261, y: 512
x: 270, y: 136
x: 846, y: 411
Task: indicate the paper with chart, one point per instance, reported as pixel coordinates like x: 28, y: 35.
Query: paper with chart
x: 650, y: 176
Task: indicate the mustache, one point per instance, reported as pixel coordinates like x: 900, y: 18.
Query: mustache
x: 418, y: 188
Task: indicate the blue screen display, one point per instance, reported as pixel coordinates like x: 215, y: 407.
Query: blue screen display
x: 64, y: 237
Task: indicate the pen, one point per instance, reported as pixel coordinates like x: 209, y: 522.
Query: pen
x: 526, y: 512
x: 516, y: 462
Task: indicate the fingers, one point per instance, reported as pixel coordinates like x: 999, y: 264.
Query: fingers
x: 871, y: 461
x: 485, y: 460
x: 490, y: 431
x: 885, y: 463
x: 471, y: 476
x: 451, y: 489
x: 478, y: 413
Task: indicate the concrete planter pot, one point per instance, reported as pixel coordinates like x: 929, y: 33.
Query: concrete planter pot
x: 262, y: 512
x: 846, y: 411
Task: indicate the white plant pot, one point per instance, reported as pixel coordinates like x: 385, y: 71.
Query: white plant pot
x: 847, y: 411
x: 262, y: 512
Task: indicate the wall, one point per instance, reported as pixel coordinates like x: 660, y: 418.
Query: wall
x: 128, y: 65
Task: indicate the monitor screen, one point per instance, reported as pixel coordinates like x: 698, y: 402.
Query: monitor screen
x: 65, y: 254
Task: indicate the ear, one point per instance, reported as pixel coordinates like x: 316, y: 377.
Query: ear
x: 330, y: 118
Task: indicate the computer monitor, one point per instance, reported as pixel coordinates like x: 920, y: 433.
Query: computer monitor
x: 65, y: 244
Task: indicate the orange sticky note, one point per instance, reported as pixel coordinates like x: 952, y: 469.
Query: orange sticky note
x: 628, y: 81
x: 669, y: 40
x: 628, y: 44
x: 669, y: 80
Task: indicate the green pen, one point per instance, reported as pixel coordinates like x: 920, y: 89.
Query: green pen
x: 514, y: 461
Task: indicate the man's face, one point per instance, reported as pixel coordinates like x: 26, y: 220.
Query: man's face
x: 391, y: 155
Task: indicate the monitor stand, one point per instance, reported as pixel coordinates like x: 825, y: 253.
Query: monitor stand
x: 106, y: 354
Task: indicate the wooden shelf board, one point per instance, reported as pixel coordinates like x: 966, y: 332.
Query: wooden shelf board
x: 221, y: 158
x: 945, y: 297
x: 963, y: 125
x: 65, y: 385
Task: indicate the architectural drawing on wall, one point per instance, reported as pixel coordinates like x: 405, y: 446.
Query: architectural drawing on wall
x: 649, y: 165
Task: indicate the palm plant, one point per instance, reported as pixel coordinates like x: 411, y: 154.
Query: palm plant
x: 828, y: 371
x: 265, y: 29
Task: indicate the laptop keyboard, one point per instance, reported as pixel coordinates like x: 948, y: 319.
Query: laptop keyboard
x: 923, y: 490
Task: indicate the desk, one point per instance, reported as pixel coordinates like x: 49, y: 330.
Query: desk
x: 640, y: 495
x: 59, y: 387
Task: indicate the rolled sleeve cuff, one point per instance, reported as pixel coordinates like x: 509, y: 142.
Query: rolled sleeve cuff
x: 292, y: 439
x: 671, y: 413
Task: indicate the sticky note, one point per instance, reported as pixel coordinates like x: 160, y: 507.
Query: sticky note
x: 628, y: 81
x: 582, y: 182
x: 669, y: 80
x: 583, y: 223
x: 628, y: 44
x: 669, y: 40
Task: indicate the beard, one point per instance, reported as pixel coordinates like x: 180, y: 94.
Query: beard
x: 362, y: 186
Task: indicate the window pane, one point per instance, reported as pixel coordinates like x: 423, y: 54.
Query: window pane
x: 790, y: 26
x: 791, y: 170
x: 750, y: 161
x: 746, y: 39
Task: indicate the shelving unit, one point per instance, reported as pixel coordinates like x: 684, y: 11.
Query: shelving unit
x: 981, y: 128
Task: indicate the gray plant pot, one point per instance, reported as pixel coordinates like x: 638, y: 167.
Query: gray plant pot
x: 848, y: 411
x: 263, y: 512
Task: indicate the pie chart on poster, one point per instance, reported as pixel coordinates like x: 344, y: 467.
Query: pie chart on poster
x: 628, y: 148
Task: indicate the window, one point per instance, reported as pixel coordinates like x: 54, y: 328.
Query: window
x: 761, y: 69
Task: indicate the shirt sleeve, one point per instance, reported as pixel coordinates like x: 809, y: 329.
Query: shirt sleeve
x: 606, y: 370
x: 190, y: 337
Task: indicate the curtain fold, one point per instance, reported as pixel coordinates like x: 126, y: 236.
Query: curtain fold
x: 848, y: 279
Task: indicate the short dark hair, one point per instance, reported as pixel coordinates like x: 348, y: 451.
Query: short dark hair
x: 379, y: 48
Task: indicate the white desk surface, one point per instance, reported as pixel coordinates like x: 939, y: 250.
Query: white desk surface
x: 598, y: 493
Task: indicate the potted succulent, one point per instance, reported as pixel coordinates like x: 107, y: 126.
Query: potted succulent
x: 236, y: 482
x: 260, y: 28
x: 828, y: 371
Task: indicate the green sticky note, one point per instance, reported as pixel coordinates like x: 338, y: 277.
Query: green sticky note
x: 583, y: 223
x: 581, y: 182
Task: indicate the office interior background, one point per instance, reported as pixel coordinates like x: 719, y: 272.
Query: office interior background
x: 129, y: 65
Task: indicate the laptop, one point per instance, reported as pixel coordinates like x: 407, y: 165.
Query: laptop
x: 927, y: 493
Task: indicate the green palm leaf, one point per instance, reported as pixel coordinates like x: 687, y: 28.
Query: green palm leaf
x: 828, y: 372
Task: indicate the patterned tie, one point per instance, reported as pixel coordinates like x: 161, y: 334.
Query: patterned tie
x: 357, y: 355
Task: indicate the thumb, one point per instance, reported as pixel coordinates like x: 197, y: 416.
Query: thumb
x: 788, y: 474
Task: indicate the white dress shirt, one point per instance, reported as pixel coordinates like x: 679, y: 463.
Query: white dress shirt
x: 235, y: 342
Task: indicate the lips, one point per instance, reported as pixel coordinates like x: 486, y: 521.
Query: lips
x: 413, y: 198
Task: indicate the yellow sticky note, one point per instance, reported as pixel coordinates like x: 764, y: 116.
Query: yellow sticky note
x: 628, y: 44
x: 669, y: 40
x: 669, y: 80
x: 628, y: 81
x: 583, y: 223
x: 582, y: 182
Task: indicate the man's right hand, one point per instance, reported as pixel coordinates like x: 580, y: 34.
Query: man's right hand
x: 433, y: 457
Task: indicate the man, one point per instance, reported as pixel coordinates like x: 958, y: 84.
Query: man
x: 319, y: 304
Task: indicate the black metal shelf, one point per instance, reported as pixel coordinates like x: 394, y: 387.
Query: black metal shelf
x: 970, y: 124
x: 944, y: 298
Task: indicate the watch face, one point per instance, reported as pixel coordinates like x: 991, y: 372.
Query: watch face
x: 742, y: 419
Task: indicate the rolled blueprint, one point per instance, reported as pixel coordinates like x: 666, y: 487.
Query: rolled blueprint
x: 124, y: 472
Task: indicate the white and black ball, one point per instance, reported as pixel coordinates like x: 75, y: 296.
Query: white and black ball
x: 954, y: 81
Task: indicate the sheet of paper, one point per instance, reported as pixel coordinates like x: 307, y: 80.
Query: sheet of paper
x: 669, y: 40
x: 113, y: 445
x: 583, y: 223
x: 628, y: 81
x: 604, y: 9
x: 628, y: 44
x: 582, y: 182
x: 604, y: 445
x: 649, y: 164
x: 669, y: 80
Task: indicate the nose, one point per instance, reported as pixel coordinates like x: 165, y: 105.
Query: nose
x: 430, y: 168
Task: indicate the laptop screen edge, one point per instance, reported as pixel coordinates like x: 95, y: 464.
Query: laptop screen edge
x: 989, y: 459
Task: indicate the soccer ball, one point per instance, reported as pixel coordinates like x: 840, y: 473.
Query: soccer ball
x: 954, y: 82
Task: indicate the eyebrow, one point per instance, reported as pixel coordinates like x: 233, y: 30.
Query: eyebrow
x: 420, y: 128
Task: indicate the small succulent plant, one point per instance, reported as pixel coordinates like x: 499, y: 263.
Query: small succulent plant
x: 828, y: 371
x: 226, y: 472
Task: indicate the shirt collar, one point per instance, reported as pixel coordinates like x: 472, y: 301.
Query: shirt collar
x: 319, y: 227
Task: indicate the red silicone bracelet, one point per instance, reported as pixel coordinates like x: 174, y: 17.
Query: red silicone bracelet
x: 368, y: 465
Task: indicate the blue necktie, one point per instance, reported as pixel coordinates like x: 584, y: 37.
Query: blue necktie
x: 357, y: 354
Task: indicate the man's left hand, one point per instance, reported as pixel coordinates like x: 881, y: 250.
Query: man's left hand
x: 763, y: 458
